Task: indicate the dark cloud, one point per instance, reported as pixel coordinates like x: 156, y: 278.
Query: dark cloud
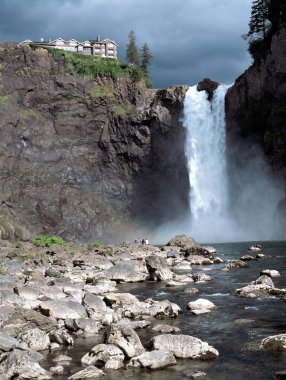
x: 190, y: 39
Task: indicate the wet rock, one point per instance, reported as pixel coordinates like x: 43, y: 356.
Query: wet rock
x: 191, y: 290
x: 184, y: 265
x: 281, y: 293
x: 209, y: 86
x: 126, y: 339
x: 166, y: 329
x: 253, y: 291
x: 264, y: 280
x: 209, y: 249
x: 271, y: 273
x: 201, y: 306
x: 198, y: 260
x: 63, y: 309
x: 281, y: 374
x: 256, y: 247
x: 61, y: 336
x: 156, y: 359
x: 201, y: 277
x: 158, y: 268
x: 36, y: 339
x: 89, y: 372
x: 231, y: 264
x: 63, y: 359
x: 163, y: 309
x: 274, y: 343
x: 260, y: 255
x: 218, y: 260
x: 19, y: 364
x: 172, y: 283
x: 60, y: 370
x: 104, y: 354
x: 185, y: 346
x: 247, y: 258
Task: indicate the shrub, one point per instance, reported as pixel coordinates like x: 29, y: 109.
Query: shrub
x: 47, y: 241
x: 96, y: 244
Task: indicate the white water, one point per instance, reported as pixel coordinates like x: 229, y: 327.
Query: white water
x: 216, y: 214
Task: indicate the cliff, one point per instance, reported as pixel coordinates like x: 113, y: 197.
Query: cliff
x: 86, y: 158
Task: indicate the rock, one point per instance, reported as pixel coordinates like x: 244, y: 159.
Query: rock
x: 62, y: 359
x: 183, y: 241
x: 260, y: 255
x: 256, y: 247
x: 218, y: 260
x: 281, y: 374
x: 120, y: 299
x: 195, y: 259
x: 156, y: 359
x: 61, y: 336
x: 30, y: 293
x: 19, y: 364
x: 88, y: 326
x: 163, y: 309
x: 89, y: 372
x: 7, y: 342
x: 264, y: 280
x: 201, y: 277
x: 191, y: 290
x: 63, y: 309
x: 106, y: 354
x: 230, y: 264
x: 209, y: 249
x: 60, y: 370
x: 247, y: 258
x: 185, y: 346
x: 96, y: 307
x: 184, y: 265
x: 209, y: 86
x: 126, y: 339
x: 53, y: 272
x: 173, y: 254
x: 133, y: 324
x: 158, y: 268
x: 166, y: 329
x: 270, y: 272
x: 281, y: 293
x: 36, y: 339
x: 201, y: 306
x: 274, y: 343
x: 198, y: 375
x: 253, y: 291
x: 125, y: 272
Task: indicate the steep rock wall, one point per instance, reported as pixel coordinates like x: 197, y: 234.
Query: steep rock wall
x: 83, y: 157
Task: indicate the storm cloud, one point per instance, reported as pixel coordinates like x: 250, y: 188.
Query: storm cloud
x: 190, y: 39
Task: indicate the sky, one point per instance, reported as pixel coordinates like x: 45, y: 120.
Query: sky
x: 189, y: 39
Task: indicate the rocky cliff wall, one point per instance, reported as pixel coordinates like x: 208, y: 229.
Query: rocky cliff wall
x: 86, y: 158
x: 256, y: 117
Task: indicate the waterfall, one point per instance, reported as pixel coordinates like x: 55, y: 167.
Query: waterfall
x: 205, y: 152
x: 215, y: 216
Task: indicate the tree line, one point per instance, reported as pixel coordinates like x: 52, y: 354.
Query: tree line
x: 266, y: 18
x: 138, y: 57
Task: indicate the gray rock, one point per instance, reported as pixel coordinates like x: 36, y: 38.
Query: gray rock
x: 63, y: 309
x: 247, y: 258
x: 61, y: 336
x: 274, y: 343
x: 196, y: 260
x: 209, y: 248
x: 89, y: 372
x: 19, y: 364
x: 126, y: 271
x: 163, y: 309
x: 201, y: 277
x: 253, y: 291
x: 182, y: 241
x: 270, y: 272
x: 264, y: 280
x: 201, y: 306
x: 173, y: 254
x: 235, y: 264
x: 191, y: 290
x: 36, y: 339
x: 116, y: 299
x: 185, y: 346
x: 53, y: 272
x: 166, y: 329
x: 156, y: 359
x: 126, y: 339
x: 88, y: 326
x: 102, y: 353
x: 158, y: 268
x: 256, y: 247
x: 7, y: 342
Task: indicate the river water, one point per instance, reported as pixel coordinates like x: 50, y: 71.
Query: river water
x: 233, y: 324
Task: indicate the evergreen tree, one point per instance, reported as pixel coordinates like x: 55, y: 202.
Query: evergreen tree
x: 146, y: 57
x: 132, y: 55
x: 259, y: 19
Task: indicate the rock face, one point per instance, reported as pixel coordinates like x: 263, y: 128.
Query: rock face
x: 79, y: 155
x: 209, y: 86
x: 256, y: 112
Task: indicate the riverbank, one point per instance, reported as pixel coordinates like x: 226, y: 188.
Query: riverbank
x: 136, y: 299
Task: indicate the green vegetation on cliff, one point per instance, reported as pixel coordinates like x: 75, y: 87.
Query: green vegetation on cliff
x: 266, y: 18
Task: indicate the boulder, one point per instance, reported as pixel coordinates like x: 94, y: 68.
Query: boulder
x: 18, y: 364
x: 274, y: 343
x: 116, y: 299
x: 7, y: 342
x: 166, y: 329
x: 173, y: 254
x: 158, y: 268
x: 63, y: 309
x: 104, y: 354
x: 185, y: 346
x: 156, y: 359
x: 247, y: 258
x: 126, y: 271
x: 264, y: 280
x: 36, y: 339
x: 253, y: 291
x: 61, y: 336
x: 255, y: 247
x: 201, y: 306
x: 89, y: 372
x: 163, y: 309
x: 126, y: 339
x: 87, y: 325
x: 201, y: 277
x: 270, y: 272
x: 209, y: 249
x: 209, y: 86
x: 230, y: 264
x: 183, y: 241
